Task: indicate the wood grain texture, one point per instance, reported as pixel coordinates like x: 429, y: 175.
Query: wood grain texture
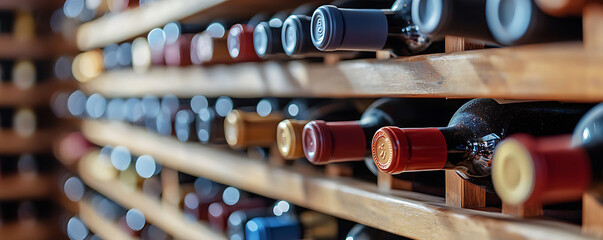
x: 37, y: 95
x: 97, y: 224
x: 37, y: 48
x: 30, y: 4
x: 388, y: 182
x: 406, y: 213
x: 592, y: 215
x: 462, y: 193
x: 522, y: 210
x: 22, y: 186
x: 592, y: 20
x: 31, y: 230
x: 545, y: 72
x: 39, y: 142
x: 170, y: 220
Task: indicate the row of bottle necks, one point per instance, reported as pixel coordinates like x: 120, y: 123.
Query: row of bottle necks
x: 406, y: 27
x: 486, y: 141
x: 239, y: 214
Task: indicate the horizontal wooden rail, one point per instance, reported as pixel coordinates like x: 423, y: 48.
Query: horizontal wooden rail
x: 102, y: 227
x: 546, y: 72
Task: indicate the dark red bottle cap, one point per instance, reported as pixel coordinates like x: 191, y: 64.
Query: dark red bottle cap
x: 240, y: 43
x: 178, y: 52
x: 219, y: 211
x: 397, y: 150
x: 327, y: 142
x: 540, y: 171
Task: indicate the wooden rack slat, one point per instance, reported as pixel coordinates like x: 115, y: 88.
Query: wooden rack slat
x: 31, y: 230
x: 37, y: 95
x: 168, y: 219
x: 102, y: 227
x: 406, y: 213
x: 37, y: 48
x: 548, y: 71
x: 39, y: 142
x: 26, y: 186
x: 30, y: 4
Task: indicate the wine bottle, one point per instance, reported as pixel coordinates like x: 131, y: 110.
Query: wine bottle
x: 87, y: 65
x: 156, y: 39
x: 209, y: 121
x: 267, y: 36
x: 231, y: 201
x: 296, y: 38
x: 522, y: 22
x: 467, y: 143
x: 136, y: 221
x: 302, y: 111
x: 110, y: 56
x: 551, y: 169
x: 178, y: 39
x: 328, y: 142
x: 184, y: 126
x: 243, y: 129
x: 124, y: 55
x: 240, y: 40
x: 96, y: 106
x: 210, y: 47
x: 196, y: 203
x: 27, y: 120
x: 309, y: 225
x: 335, y: 28
x: 24, y: 74
x: 562, y: 8
x: 461, y: 18
x: 71, y: 147
x: 141, y: 55
x: 238, y: 219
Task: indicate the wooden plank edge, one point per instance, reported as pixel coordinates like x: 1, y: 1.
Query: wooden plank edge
x: 102, y: 227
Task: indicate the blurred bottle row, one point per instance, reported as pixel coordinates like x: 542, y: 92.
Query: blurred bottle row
x: 346, y: 28
x: 327, y: 131
x: 239, y: 214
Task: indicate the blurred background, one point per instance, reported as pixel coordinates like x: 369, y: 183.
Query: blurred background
x: 299, y: 119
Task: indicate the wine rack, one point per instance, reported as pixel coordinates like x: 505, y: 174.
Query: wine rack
x: 556, y: 71
x: 27, y: 187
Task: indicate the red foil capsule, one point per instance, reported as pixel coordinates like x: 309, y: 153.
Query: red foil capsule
x: 178, y: 52
x: 240, y: 43
x: 540, y: 171
x: 328, y: 142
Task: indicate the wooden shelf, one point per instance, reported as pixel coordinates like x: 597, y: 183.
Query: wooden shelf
x: 554, y: 71
x: 122, y: 26
x: 406, y: 213
x: 36, y: 48
x: 26, y: 187
x: 34, y: 230
x: 172, y: 221
x: 39, y: 142
x: 37, y: 95
x: 102, y: 227
x: 31, y: 4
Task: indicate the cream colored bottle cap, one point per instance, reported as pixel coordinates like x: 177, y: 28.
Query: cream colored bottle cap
x: 244, y: 129
x: 289, y: 138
